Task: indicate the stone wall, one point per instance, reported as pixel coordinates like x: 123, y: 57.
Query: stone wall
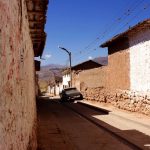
x: 17, y: 90
x: 123, y: 99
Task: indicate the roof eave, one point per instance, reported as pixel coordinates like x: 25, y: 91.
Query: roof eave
x: 37, y: 10
x: 86, y: 62
x: 123, y: 34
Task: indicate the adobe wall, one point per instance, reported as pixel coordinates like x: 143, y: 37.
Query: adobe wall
x: 17, y: 90
x: 76, y: 80
x: 92, y: 78
x: 114, y: 76
x: 112, y: 84
x: 118, y: 71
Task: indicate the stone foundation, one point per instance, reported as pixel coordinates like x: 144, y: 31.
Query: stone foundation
x: 123, y: 99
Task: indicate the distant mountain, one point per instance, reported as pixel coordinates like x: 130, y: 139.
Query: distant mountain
x: 53, y: 72
x: 50, y: 73
x: 101, y: 60
x: 52, y: 66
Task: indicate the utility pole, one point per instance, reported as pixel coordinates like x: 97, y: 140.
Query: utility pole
x: 69, y: 53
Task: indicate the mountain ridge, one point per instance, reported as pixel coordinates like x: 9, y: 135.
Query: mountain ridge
x: 52, y: 72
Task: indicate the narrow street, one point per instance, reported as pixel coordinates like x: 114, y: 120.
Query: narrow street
x: 60, y: 127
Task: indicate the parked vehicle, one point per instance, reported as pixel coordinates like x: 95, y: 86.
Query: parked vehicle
x: 70, y: 94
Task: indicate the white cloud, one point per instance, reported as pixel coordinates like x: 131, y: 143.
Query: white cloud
x: 90, y: 57
x: 48, y: 56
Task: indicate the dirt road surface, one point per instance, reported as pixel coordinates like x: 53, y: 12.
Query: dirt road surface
x: 59, y: 128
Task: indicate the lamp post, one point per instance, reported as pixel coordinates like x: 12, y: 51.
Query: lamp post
x: 69, y: 53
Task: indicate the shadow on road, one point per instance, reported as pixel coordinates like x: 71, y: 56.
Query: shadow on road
x: 50, y: 111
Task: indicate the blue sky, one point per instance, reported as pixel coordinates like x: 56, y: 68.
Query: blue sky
x: 82, y: 25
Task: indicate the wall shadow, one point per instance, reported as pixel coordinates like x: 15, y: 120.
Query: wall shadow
x: 134, y: 136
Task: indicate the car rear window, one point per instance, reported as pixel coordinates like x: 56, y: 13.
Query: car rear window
x: 69, y: 91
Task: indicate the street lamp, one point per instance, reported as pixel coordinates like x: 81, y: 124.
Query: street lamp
x: 69, y: 53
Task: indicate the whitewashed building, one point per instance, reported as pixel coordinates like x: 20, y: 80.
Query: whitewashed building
x: 56, y: 89
x: 129, y: 55
x: 66, y: 79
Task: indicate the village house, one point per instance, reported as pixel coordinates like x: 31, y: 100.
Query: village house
x: 59, y: 85
x: 55, y: 89
x: 125, y: 82
x: 79, y: 72
x: 66, y: 81
x: 22, y: 38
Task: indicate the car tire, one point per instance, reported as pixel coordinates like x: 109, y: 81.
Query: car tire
x: 81, y: 97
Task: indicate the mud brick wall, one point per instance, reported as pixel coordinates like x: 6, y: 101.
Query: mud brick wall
x: 76, y: 80
x: 118, y: 70
x: 125, y: 82
x: 93, y: 77
x: 17, y: 81
x: 113, y: 76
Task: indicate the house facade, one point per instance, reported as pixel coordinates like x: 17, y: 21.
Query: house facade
x: 80, y: 73
x: 55, y: 89
x: 66, y: 79
x: 132, y: 48
x: 125, y: 82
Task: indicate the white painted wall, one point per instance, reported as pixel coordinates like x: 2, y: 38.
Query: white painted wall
x: 60, y: 87
x: 140, y: 61
x: 48, y: 89
x: 66, y: 80
x: 55, y: 90
x: 51, y: 90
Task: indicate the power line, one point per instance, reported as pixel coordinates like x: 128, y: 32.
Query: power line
x: 135, y: 16
x: 127, y: 13
x: 140, y: 2
x: 93, y: 42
